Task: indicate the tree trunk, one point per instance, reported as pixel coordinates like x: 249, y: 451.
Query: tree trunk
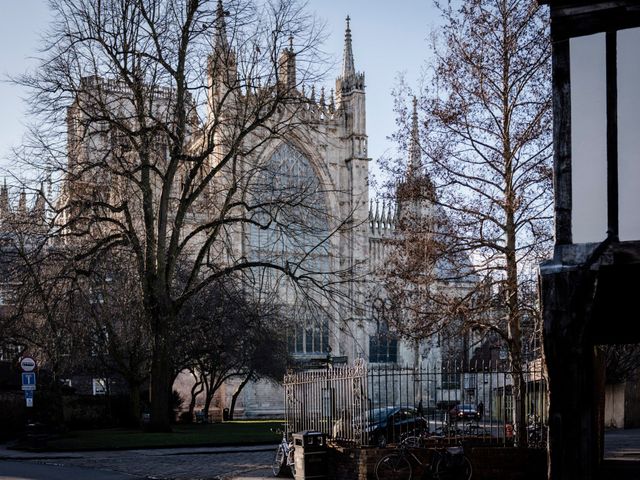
x: 235, y: 395
x: 196, y: 390
x: 208, y: 397
x: 514, y: 330
x: 134, y: 404
x: 161, y: 375
x: 55, y: 406
x: 519, y: 402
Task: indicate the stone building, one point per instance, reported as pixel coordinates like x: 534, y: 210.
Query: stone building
x: 334, y: 149
x: 326, y: 155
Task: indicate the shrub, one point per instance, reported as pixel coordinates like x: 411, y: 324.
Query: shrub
x: 12, y: 415
x: 186, y: 417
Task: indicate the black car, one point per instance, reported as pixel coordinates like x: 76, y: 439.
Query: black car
x: 387, y: 424
x: 464, y: 411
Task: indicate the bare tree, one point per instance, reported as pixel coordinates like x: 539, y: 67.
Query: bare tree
x: 153, y: 116
x: 116, y: 330
x: 71, y: 315
x: 267, y: 357
x: 621, y: 362
x: 215, y: 332
x: 68, y: 313
x: 485, y: 132
x: 44, y: 297
x: 43, y: 317
x: 419, y: 264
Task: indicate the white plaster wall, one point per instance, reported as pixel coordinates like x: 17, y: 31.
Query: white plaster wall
x: 588, y: 139
x: 614, y: 405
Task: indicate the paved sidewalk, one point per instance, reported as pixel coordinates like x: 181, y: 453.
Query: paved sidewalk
x: 622, y: 444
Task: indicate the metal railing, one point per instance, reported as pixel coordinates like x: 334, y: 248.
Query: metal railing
x: 375, y: 405
x: 333, y: 401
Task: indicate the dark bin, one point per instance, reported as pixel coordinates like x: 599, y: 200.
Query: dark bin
x: 310, y: 455
x: 37, y: 435
x: 225, y: 415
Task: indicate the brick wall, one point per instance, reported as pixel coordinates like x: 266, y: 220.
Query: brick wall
x: 497, y: 463
x: 489, y: 463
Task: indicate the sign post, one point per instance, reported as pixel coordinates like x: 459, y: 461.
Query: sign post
x: 28, y: 365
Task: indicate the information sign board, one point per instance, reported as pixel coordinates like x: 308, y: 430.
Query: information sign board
x: 28, y: 381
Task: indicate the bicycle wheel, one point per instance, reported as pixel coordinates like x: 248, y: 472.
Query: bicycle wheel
x: 449, y: 468
x: 279, y: 462
x: 393, y: 466
x: 291, y: 461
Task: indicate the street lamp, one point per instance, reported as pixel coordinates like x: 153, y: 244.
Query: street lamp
x: 592, y: 283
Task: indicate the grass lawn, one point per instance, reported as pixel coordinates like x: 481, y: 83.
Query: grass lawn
x: 228, y: 433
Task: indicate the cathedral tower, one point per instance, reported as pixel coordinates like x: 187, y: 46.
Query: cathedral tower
x: 350, y: 91
x: 415, y: 194
x: 223, y: 70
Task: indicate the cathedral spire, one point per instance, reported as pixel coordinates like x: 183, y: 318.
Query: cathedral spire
x: 40, y: 203
x: 287, y: 74
x: 350, y: 80
x: 417, y: 185
x: 348, y: 65
x: 221, y: 40
x: 4, y: 199
x: 415, y: 156
x: 223, y: 72
x: 22, y: 203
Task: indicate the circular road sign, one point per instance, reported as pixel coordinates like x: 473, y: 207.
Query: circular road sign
x: 27, y: 364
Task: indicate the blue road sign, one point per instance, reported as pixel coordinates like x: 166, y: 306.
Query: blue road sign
x: 28, y: 397
x: 28, y: 381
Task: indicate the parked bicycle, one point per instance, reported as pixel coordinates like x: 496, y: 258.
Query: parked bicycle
x: 417, y: 437
x: 536, y: 432
x: 474, y: 429
x: 283, y: 462
x: 447, y: 463
x: 447, y: 430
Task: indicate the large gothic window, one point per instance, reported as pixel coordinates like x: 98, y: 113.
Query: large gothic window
x: 290, y: 229
x: 383, y: 345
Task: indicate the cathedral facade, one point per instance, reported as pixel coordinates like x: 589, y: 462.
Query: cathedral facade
x: 325, y: 156
x: 331, y: 149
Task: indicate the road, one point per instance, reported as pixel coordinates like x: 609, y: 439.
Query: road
x: 226, y: 463
x: 16, y: 470
x: 161, y: 464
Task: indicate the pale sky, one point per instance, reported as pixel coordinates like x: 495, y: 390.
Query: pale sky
x: 389, y: 38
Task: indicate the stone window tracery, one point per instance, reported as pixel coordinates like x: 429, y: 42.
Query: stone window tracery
x: 290, y: 228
